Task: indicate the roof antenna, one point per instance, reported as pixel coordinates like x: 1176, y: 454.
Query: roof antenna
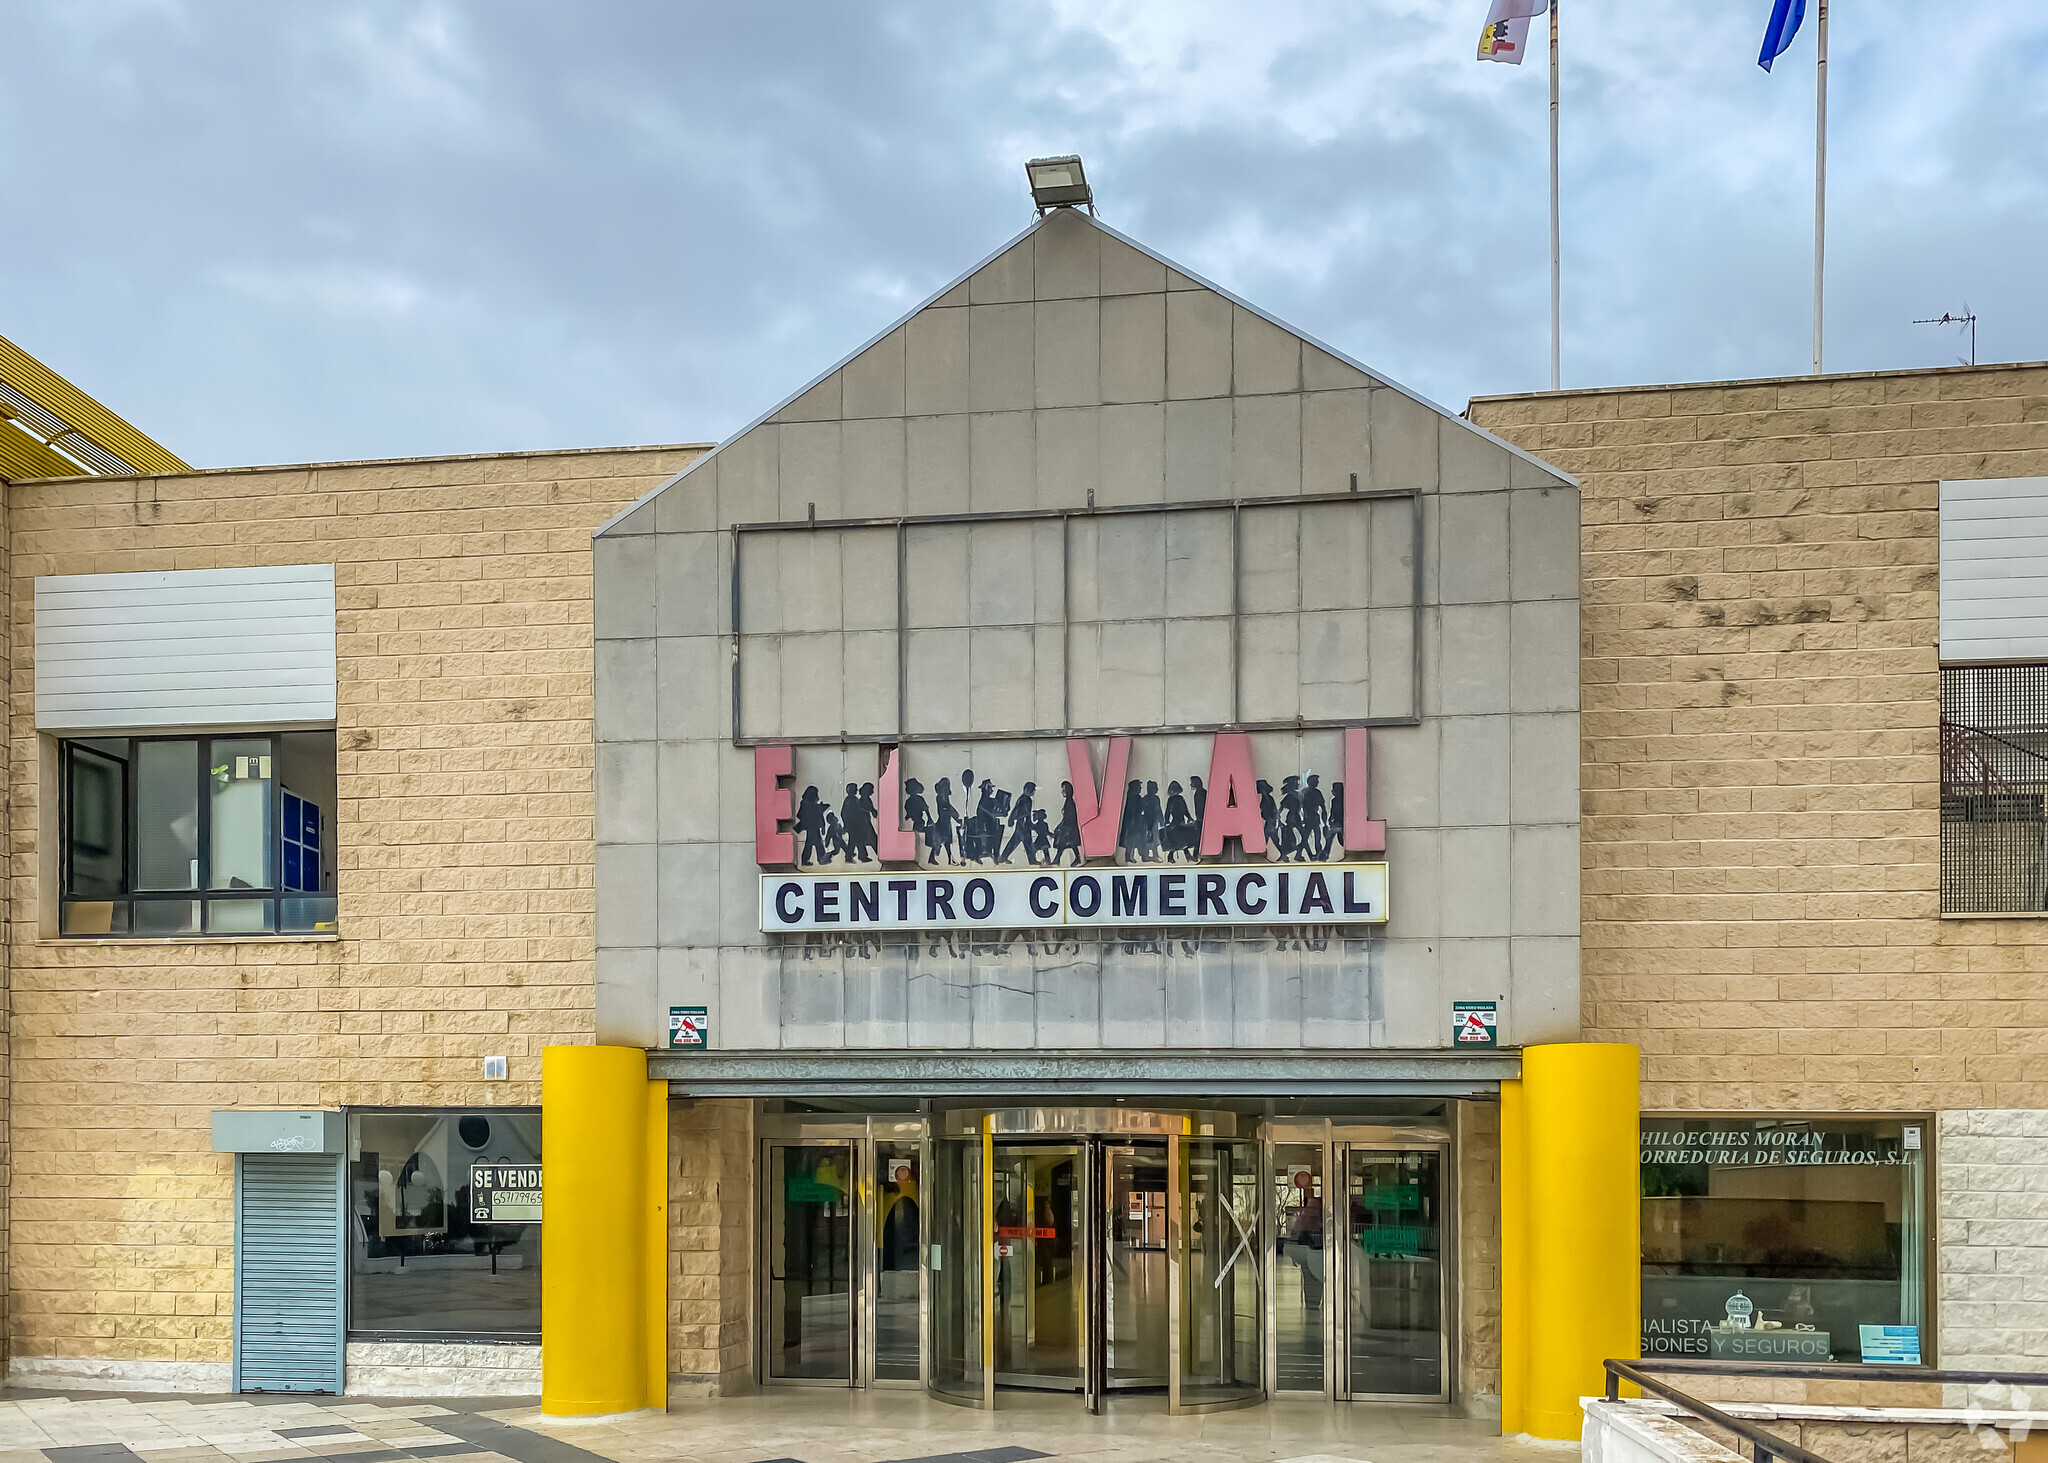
x: 1966, y: 318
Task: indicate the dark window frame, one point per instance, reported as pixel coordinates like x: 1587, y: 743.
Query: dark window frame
x: 274, y: 895
x: 1927, y: 1186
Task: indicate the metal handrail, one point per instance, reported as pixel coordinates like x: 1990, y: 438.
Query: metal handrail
x: 1768, y: 1446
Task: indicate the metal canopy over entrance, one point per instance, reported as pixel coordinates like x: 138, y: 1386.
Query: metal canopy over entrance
x: 980, y: 1252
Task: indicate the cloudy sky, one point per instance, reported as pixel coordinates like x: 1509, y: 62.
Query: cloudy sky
x: 287, y: 232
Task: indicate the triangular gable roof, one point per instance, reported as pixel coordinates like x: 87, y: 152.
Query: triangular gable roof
x: 1376, y: 377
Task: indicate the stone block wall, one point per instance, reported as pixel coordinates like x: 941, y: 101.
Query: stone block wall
x: 1993, y: 1216
x: 464, y: 829
x: 711, y: 1247
x: 1759, y: 660
x: 1478, y: 1159
x: 1761, y: 775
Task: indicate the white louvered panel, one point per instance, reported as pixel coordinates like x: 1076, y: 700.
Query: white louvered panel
x: 188, y: 647
x: 1994, y: 569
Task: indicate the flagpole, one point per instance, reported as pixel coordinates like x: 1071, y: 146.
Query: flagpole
x: 1556, y: 313
x: 1820, y: 174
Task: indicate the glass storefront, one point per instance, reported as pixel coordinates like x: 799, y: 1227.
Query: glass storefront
x: 444, y: 1224
x: 1104, y: 1251
x: 1784, y: 1238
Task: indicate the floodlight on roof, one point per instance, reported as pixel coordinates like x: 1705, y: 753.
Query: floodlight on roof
x: 1059, y: 182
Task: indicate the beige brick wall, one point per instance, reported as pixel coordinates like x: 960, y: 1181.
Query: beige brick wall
x: 464, y: 837
x: 1761, y: 788
x: 711, y: 1247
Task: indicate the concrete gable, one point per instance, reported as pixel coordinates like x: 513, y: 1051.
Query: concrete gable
x: 1073, y: 362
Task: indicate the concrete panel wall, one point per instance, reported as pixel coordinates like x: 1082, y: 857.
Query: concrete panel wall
x: 1076, y: 368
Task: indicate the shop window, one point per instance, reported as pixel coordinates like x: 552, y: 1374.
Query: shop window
x: 1994, y: 773
x: 1809, y: 1229
x: 198, y: 835
x: 444, y: 1224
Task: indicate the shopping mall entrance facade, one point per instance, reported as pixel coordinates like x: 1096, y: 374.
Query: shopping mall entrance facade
x: 1087, y: 818
x: 1189, y: 1252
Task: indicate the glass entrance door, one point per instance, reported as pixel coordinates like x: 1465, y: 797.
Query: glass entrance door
x: 956, y: 1259
x: 1300, y: 1276
x: 1137, y: 1325
x: 896, y: 1233
x: 1041, y: 1231
x: 810, y: 1202
x: 1216, y: 1298
x: 1393, y: 1327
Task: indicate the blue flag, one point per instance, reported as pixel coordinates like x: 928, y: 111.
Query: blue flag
x: 1784, y: 24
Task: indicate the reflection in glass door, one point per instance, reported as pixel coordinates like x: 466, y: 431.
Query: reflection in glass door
x: 898, y: 1233
x: 810, y: 1261
x: 956, y: 1224
x: 1136, y: 1324
x: 1040, y: 1200
x: 1300, y: 1269
x: 1394, y: 1303
x: 1216, y: 1298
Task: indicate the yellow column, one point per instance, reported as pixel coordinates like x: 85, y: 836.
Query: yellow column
x: 1571, y: 1247
x: 603, y: 1205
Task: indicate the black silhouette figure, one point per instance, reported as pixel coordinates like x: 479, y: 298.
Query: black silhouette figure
x: 810, y: 821
x: 1039, y: 848
x: 1315, y: 818
x: 1149, y: 821
x: 874, y: 818
x: 1068, y: 835
x: 1177, y: 836
x: 1269, y: 812
x: 940, y: 839
x: 1130, y: 835
x: 915, y: 812
x: 981, y: 839
x: 1201, y: 797
x: 857, y: 825
x: 1337, y: 815
x: 1291, y: 842
x: 1020, y: 825
x: 835, y: 838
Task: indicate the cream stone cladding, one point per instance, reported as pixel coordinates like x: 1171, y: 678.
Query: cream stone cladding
x: 1761, y: 773
x: 1760, y: 740
x: 466, y: 905
x: 1075, y: 369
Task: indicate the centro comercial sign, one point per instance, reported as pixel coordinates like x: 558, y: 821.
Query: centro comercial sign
x: 1104, y: 851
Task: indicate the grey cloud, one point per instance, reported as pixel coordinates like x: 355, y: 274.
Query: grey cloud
x: 272, y: 233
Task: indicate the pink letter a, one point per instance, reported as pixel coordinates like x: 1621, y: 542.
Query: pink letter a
x: 1233, y: 806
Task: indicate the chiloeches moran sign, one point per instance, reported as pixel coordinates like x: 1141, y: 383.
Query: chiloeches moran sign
x: 1233, y: 848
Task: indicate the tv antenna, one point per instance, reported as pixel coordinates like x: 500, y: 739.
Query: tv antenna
x: 1966, y: 318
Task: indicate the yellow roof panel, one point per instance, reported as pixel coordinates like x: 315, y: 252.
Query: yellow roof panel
x: 22, y: 456
x: 79, y: 412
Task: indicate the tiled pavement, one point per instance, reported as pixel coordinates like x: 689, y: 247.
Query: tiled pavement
x: 793, y: 1426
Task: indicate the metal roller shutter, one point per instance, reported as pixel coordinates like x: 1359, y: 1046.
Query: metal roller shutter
x: 288, y: 1273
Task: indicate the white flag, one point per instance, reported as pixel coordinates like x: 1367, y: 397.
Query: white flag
x: 1506, y: 35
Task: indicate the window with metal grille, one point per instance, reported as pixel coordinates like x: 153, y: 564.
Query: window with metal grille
x: 1994, y: 778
